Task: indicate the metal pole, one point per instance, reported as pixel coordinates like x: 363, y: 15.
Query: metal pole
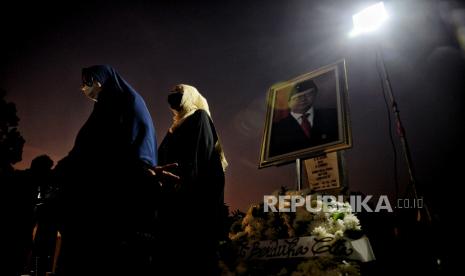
x: 400, y: 130
x: 298, y: 166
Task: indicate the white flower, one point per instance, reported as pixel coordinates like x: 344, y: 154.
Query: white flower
x: 320, y: 231
x: 338, y: 234
x: 351, y: 222
x: 338, y: 225
x: 323, y: 222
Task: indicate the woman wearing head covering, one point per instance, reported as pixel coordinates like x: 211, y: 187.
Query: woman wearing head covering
x: 191, y: 211
x: 105, y: 190
x: 120, y: 122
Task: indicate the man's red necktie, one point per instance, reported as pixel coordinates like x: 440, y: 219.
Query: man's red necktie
x: 305, y: 125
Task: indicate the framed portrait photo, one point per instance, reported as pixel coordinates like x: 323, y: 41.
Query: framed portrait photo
x: 307, y: 116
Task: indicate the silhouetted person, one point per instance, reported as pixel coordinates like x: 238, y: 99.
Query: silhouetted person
x: 21, y: 197
x: 24, y: 198
x: 107, y: 192
x: 40, y: 175
x: 306, y: 125
x: 191, y: 212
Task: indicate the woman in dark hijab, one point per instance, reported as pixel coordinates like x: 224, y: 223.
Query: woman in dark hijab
x: 120, y: 123
x: 191, y: 212
x: 106, y: 193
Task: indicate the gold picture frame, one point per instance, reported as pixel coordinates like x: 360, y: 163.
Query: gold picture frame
x: 326, y: 90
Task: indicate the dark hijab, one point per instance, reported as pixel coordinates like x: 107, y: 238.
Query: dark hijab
x: 120, y: 129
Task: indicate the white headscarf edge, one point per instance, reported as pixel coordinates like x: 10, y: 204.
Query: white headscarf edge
x: 191, y: 101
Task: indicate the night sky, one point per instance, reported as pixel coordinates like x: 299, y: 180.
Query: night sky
x: 233, y: 51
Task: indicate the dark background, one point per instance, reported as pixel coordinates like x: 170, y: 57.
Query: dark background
x: 233, y: 51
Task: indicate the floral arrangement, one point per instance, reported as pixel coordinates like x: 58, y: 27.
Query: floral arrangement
x: 330, y: 224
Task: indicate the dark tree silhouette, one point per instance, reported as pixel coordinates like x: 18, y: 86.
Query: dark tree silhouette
x: 12, y: 204
x: 11, y: 141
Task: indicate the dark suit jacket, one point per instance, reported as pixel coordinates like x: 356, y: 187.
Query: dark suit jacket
x: 287, y: 135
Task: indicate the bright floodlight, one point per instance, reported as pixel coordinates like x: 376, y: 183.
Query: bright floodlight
x: 369, y: 19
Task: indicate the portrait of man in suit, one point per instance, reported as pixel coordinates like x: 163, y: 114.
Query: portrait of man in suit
x: 305, y: 125
x: 307, y: 116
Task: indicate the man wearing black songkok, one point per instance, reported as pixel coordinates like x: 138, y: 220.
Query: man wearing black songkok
x: 305, y: 125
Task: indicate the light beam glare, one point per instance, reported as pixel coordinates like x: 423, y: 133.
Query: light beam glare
x: 369, y: 19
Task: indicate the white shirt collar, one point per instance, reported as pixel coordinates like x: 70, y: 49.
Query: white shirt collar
x: 298, y: 116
